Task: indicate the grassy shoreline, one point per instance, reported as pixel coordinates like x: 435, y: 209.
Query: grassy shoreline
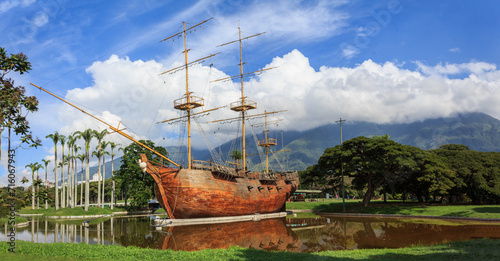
x: 399, y: 208
x: 482, y: 249
x: 329, y: 206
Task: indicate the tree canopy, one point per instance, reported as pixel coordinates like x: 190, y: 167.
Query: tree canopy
x: 380, y: 163
x: 135, y: 184
x: 14, y: 104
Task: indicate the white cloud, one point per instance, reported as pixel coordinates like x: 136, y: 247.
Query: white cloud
x: 382, y: 93
x: 455, y: 50
x: 7, y: 5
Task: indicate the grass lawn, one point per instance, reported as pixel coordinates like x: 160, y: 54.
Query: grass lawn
x: 77, y: 211
x: 399, y: 208
x: 17, y: 219
x: 483, y: 249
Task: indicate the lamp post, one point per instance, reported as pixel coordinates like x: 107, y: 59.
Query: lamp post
x: 342, y: 166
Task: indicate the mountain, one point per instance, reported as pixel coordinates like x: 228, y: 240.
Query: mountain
x: 478, y: 131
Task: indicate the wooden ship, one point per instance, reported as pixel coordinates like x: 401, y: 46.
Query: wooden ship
x: 209, y: 189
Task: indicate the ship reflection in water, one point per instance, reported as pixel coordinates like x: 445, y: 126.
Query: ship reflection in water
x: 290, y: 234
x: 268, y: 234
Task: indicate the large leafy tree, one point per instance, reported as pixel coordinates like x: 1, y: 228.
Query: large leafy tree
x: 370, y: 161
x: 422, y: 174
x: 136, y: 185
x: 14, y: 104
x: 477, y: 174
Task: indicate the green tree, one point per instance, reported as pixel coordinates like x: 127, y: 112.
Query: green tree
x: 55, y: 138
x: 62, y: 140
x: 135, y: 184
x: 99, y: 136
x: 14, y: 104
x: 81, y: 157
x: 477, y: 173
x: 32, y: 166
x: 46, y: 162
x: 87, y: 136
x: 370, y: 161
x: 112, y: 146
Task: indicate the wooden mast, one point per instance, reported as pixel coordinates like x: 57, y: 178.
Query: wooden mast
x: 243, y: 104
x: 188, y: 102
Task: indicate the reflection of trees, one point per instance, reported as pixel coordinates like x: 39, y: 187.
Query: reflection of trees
x: 375, y: 233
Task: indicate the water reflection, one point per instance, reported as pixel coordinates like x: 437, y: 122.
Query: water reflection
x: 291, y: 234
x: 357, y: 233
x: 269, y: 234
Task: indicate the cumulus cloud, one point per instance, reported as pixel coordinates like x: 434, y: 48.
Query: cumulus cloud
x: 131, y: 92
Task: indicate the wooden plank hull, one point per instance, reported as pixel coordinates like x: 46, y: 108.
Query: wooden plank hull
x: 204, y: 193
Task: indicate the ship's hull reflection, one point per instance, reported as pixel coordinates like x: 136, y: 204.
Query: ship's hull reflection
x: 268, y: 234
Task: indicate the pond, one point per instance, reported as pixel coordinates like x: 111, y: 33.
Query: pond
x: 284, y: 234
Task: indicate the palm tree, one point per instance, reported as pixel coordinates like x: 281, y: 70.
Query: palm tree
x: 104, y: 152
x: 37, y: 167
x: 75, y: 174
x: 55, y: 138
x: 46, y: 162
x: 32, y: 166
x: 69, y: 194
x: 98, y: 154
x: 81, y: 157
x: 62, y: 140
x: 112, y: 145
x: 99, y: 136
x: 87, y: 136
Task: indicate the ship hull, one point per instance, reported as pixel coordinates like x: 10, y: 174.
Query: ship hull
x: 191, y: 193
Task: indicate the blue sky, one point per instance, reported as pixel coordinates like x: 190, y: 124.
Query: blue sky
x: 378, y: 61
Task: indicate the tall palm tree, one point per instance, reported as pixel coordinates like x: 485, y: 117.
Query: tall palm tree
x: 112, y: 145
x: 55, y: 138
x: 87, y: 136
x: 32, y: 166
x: 37, y: 167
x: 99, y: 136
x: 62, y: 140
x: 46, y: 162
x: 69, y: 194
x: 104, y: 153
x: 81, y: 157
x: 98, y: 154
x: 75, y: 173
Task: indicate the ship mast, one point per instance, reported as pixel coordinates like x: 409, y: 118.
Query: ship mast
x: 244, y: 104
x: 187, y: 102
x: 266, y: 143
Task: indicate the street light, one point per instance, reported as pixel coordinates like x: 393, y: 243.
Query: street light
x: 342, y: 166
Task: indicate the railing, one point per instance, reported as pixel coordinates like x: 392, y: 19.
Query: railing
x: 193, y: 102
x: 243, y: 105
x: 267, y: 142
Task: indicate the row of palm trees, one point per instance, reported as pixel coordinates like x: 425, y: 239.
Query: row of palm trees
x: 69, y: 184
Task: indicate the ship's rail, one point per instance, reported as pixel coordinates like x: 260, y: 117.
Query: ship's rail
x: 210, y: 166
x: 290, y: 176
x: 243, y: 105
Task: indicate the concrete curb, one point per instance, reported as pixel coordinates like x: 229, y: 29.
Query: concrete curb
x: 79, y: 217
x: 216, y: 220
x: 29, y: 215
x: 408, y: 216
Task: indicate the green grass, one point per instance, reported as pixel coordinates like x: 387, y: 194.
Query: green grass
x: 399, y: 208
x: 483, y: 249
x: 77, y: 211
x: 17, y: 219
